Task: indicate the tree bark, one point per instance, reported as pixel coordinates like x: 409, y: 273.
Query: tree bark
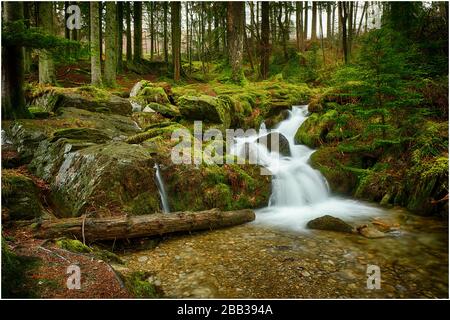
x: 265, y: 45
x: 305, y: 32
x: 96, y: 69
x: 128, y: 20
x: 125, y: 227
x: 165, y: 49
x: 314, y: 22
x: 46, y: 64
x: 343, y: 19
x: 176, y: 39
x: 13, y: 100
x: 119, y: 36
x: 137, y: 8
x: 235, y: 35
x: 110, y: 44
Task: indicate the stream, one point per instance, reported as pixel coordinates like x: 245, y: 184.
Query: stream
x: 277, y: 257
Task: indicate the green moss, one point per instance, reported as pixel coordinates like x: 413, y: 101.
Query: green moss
x: 166, y: 110
x: 144, y: 203
x: 73, y: 245
x: 206, y: 108
x: 20, y: 196
x: 16, y: 282
x: 165, y: 131
x: 138, y: 285
x: 315, y: 129
x: 85, y: 134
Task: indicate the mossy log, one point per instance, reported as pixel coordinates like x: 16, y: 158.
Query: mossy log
x: 142, y: 226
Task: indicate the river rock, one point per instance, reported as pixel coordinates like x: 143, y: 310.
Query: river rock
x: 370, y: 232
x: 274, y: 137
x: 331, y: 223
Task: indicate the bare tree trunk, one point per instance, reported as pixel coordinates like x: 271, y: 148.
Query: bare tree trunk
x: 176, y: 39
x: 128, y: 19
x: 329, y: 35
x: 343, y: 18
x: 46, y: 64
x: 165, y: 48
x: 96, y: 69
x: 314, y: 22
x: 125, y: 227
x: 137, y: 10
x: 110, y: 44
x: 13, y: 100
x: 235, y: 34
x: 306, y: 21
x: 265, y: 45
x: 119, y: 36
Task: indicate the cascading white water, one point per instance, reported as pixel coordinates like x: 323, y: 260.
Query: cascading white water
x: 162, y: 190
x: 299, y: 192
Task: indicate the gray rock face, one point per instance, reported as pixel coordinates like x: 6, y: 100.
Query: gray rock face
x: 328, y: 222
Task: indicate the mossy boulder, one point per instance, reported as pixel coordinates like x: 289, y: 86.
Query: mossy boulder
x: 205, y: 108
x: 88, y: 97
x: 336, y: 168
x: 102, y: 179
x: 167, y: 110
x: 73, y: 245
x: 83, y: 134
x: 20, y: 196
x: 275, y: 141
x: 313, y: 132
x: 227, y: 187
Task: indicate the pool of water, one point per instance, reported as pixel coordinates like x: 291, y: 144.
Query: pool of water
x: 260, y: 260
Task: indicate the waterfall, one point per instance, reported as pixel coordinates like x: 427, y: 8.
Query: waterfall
x: 162, y: 190
x: 299, y: 192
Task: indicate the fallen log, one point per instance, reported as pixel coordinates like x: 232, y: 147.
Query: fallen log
x: 111, y: 228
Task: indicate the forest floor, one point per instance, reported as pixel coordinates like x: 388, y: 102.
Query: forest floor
x: 47, y: 277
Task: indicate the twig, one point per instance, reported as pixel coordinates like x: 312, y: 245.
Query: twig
x: 54, y: 253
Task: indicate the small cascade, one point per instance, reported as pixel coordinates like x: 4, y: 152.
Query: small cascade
x: 162, y: 190
x: 299, y: 192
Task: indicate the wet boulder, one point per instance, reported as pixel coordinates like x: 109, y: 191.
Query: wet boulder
x: 330, y: 223
x: 275, y: 141
x: 167, y: 110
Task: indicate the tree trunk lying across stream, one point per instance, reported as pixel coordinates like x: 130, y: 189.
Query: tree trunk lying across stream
x: 142, y: 226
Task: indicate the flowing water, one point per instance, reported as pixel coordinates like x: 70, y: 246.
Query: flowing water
x: 162, y: 190
x: 299, y: 192
x: 274, y: 257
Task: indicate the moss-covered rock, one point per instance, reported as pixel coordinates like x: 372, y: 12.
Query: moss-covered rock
x: 227, y: 187
x: 330, y: 223
x: 332, y: 164
x: 73, y: 245
x: 167, y: 110
x: 313, y: 132
x: 88, y: 97
x: 83, y: 134
x: 20, y: 196
x: 205, y: 108
x: 104, y: 179
x: 139, y: 286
